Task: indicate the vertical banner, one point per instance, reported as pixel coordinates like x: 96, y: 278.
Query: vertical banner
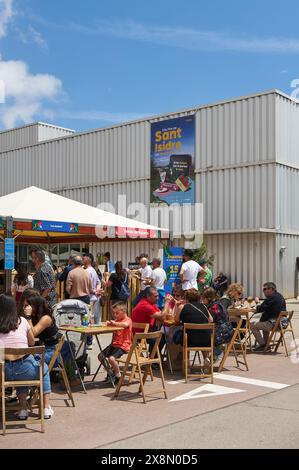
x: 172, y: 161
x: 172, y: 262
x: 9, y: 253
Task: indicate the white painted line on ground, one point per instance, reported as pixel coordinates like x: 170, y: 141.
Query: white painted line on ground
x: 245, y: 380
x: 207, y: 391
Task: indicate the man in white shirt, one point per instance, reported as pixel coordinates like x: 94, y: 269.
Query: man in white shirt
x: 145, y: 274
x: 189, y: 271
x: 159, y: 280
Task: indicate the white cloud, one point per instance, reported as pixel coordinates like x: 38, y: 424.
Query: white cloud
x: 25, y: 93
x: 32, y: 36
x: 112, y: 117
x: 188, y: 38
x: 6, y: 13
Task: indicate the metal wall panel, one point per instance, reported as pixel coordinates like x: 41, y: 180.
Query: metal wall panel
x: 287, y: 197
x: 238, y: 198
x: 286, y: 264
x: 287, y: 131
x: 47, y: 132
x: 241, y: 131
x: 247, y: 258
x: 19, y: 137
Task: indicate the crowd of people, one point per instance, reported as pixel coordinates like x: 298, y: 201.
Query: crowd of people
x: 26, y: 313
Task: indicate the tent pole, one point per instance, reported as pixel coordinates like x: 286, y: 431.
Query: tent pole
x: 8, y: 234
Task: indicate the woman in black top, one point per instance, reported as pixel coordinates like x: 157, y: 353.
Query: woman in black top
x: 116, y: 280
x: 39, y: 315
x: 193, y: 311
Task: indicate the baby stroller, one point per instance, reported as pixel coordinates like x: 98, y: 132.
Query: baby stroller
x: 71, y: 312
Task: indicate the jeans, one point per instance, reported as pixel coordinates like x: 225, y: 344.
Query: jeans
x: 65, y: 353
x: 27, y: 369
x: 97, y: 312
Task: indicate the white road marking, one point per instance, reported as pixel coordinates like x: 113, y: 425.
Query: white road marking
x: 245, y: 380
x: 211, y: 390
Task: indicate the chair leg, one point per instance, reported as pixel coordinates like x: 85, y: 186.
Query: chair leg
x: 141, y: 387
x: 66, y: 383
x: 3, y: 407
x: 162, y: 377
x: 132, y: 374
x: 120, y: 382
x: 268, y: 342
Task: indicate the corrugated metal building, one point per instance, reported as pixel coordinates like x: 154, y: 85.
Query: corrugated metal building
x: 247, y: 177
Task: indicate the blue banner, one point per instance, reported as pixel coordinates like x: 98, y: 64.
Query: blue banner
x: 9, y: 253
x: 172, y: 161
x: 47, y: 226
x: 172, y: 262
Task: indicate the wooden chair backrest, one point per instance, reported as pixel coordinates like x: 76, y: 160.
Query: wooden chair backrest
x: 56, y: 352
x: 195, y: 326
x: 40, y: 350
x: 143, y: 337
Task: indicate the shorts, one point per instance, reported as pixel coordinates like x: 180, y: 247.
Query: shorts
x: 113, y: 351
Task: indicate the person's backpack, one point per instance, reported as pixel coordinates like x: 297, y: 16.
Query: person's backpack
x: 124, y: 292
x: 224, y: 329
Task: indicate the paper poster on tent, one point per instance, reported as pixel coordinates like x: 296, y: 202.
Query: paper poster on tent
x: 172, y: 262
x: 172, y: 161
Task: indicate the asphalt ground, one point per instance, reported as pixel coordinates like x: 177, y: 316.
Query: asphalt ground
x: 242, y: 409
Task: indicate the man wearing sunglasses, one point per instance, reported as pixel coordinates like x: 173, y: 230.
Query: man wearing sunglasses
x: 271, y: 307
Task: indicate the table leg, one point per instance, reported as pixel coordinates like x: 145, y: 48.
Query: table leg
x: 74, y: 360
x: 167, y: 350
x: 105, y: 364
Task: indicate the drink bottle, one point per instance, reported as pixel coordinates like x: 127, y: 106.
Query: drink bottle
x: 85, y: 320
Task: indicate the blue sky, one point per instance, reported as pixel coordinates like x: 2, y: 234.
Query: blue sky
x: 90, y: 64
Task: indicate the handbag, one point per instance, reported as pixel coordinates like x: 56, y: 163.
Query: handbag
x: 124, y: 292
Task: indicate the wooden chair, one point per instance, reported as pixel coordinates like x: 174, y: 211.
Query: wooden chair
x: 143, y: 346
x: 278, y: 329
x: 61, y: 367
x: 197, y: 349
x: 135, y: 358
x: 38, y: 383
x: 237, y: 346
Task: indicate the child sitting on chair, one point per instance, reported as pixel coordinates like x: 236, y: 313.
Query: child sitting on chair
x: 121, y: 340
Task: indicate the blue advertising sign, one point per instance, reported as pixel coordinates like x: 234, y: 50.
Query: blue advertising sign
x: 9, y: 253
x: 47, y: 226
x: 172, y: 161
x: 172, y: 262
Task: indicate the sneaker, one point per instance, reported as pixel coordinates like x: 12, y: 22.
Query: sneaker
x: 259, y: 348
x: 116, y: 380
x: 89, y: 347
x: 48, y: 412
x: 23, y: 415
x: 218, y: 359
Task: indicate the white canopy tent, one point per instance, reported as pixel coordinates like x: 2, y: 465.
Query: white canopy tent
x: 44, y: 217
